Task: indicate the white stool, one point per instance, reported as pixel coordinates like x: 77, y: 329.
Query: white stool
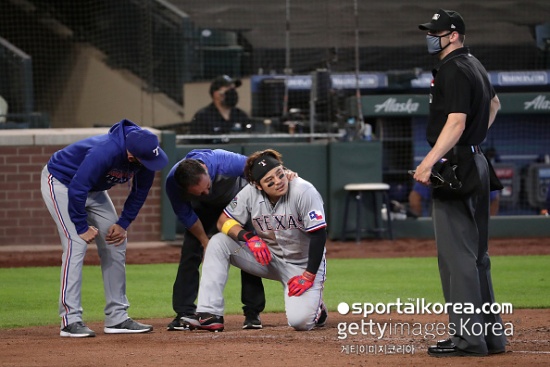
x: 357, y: 192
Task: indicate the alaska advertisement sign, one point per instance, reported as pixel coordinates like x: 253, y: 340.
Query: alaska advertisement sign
x: 417, y: 105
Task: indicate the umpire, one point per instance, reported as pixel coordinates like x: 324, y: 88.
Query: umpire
x: 463, y: 105
x: 199, y: 187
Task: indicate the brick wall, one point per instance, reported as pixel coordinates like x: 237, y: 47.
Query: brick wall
x: 24, y: 219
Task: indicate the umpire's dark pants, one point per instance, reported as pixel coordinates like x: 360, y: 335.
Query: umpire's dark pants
x: 461, y: 232
x: 186, y: 286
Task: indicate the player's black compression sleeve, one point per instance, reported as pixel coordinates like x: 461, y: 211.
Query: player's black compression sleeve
x: 317, y: 242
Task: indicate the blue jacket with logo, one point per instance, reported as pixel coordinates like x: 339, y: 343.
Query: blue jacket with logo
x: 97, y: 164
x: 226, y: 171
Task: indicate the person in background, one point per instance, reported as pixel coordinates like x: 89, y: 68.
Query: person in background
x: 545, y: 210
x: 74, y: 187
x: 221, y: 116
x: 420, y: 201
x: 494, y: 202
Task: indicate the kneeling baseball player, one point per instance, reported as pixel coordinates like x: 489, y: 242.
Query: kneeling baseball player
x: 288, y: 245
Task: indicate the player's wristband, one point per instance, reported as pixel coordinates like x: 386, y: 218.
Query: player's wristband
x: 228, y: 225
x: 309, y: 276
x: 244, y: 235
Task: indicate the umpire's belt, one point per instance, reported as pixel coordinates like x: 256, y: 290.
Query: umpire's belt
x: 474, y: 149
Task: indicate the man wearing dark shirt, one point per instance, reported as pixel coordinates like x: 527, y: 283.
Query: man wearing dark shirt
x: 463, y: 105
x: 221, y: 116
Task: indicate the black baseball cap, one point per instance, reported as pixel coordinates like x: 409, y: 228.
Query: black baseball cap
x: 223, y: 81
x: 445, y: 20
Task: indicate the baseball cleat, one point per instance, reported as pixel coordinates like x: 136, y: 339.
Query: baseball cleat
x: 76, y: 330
x: 176, y: 324
x: 252, y: 321
x: 203, y: 321
x: 128, y: 327
x: 323, y: 315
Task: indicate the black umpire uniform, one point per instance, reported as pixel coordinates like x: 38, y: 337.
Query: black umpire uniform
x: 461, y: 216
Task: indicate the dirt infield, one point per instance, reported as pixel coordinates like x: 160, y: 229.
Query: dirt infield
x: 276, y: 344
x: 169, y: 252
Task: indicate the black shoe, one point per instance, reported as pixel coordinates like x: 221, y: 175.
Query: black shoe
x: 252, y: 321
x: 436, y: 351
x: 176, y: 324
x: 322, y: 320
x: 446, y: 344
x: 203, y: 321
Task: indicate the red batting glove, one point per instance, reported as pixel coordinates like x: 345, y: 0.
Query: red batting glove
x: 298, y: 284
x: 259, y: 249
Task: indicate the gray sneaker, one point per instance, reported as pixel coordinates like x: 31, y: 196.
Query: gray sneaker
x: 128, y: 327
x: 76, y: 330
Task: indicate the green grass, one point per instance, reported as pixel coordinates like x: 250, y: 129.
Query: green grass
x: 28, y: 296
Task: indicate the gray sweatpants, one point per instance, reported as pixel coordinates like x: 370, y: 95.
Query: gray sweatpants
x: 302, y: 312
x: 101, y: 214
x: 461, y: 232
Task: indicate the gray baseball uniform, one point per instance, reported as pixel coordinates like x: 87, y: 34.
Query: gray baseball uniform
x: 102, y: 213
x: 74, y: 187
x: 284, y: 227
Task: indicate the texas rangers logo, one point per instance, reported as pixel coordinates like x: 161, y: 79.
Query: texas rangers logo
x: 156, y: 151
x: 315, y: 215
x: 116, y: 176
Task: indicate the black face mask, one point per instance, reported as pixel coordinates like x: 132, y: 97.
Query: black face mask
x: 231, y: 98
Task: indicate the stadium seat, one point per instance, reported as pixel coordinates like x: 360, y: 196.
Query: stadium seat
x: 358, y: 193
x: 3, y: 110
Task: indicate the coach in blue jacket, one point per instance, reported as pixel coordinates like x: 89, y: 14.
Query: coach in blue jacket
x: 74, y: 187
x: 199, y: 187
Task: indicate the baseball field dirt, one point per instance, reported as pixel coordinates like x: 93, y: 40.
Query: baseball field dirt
x: 276, y: 344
